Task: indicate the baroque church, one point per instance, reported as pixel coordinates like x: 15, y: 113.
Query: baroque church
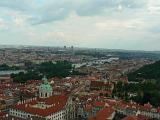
x: 46, y: 105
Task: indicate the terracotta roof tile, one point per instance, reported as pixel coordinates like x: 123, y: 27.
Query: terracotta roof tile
x: 58, y: 103
x: 103, y: 114
x: 135, y: 118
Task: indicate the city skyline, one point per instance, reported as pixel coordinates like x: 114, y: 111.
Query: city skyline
x: 119, y: 24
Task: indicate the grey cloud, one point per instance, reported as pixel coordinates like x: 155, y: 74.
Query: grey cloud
x: 49, y: 17
x: 20, y: 5
x: 84, y: 8
x: 95, y: 7
x: 155, y: 29
x: 133, y: 4
x: 55, y: 10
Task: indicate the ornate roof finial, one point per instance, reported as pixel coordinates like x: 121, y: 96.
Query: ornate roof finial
x: 45, y: 80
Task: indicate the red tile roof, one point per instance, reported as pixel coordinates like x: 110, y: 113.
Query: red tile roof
x: 130, y: 118
x: 58, y: 103
x: 3, y: 97
x: 99, y: 104
x: 158, y: 109
x: 100, y: 83
x: 135, y: 118
x: 2, y: 114
x: 103, y: 114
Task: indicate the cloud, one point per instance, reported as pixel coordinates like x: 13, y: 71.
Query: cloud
x: 19, y: 5
x: 54, y: 10
x: 96, y: 23
x: 95, y: 7
x: 49, y: 15
x: 134, y: 4
x: 55, y: 35
x: 114, y: 24
x: 155, y: 29
x: 154, y: 6
x: 3, y: 25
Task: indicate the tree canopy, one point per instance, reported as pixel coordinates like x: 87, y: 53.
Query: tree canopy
x: 148, y: 88
x: 49, y: 69
x: 151, y: 71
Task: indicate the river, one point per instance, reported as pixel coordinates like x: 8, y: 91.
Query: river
x: 8, y: 72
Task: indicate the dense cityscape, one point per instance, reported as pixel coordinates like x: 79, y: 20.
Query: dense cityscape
x: 67, y: 83
x: 79, y: 59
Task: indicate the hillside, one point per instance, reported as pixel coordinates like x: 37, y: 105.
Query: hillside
x: 149, y: 72
x: 148, y: 89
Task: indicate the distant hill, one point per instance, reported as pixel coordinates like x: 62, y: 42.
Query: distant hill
x: 122, y: 54
x: 151, y: 71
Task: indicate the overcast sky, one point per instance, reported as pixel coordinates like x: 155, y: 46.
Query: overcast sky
x: 115, y: 24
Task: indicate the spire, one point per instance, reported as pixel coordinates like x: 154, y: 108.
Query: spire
x: 45, y: 80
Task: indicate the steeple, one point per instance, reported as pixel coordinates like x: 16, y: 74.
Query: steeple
x: 45, y: 81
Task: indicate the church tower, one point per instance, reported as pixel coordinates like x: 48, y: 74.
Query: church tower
x: 45, y: 89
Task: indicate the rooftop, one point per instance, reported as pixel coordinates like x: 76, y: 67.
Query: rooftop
x: 52, y: 104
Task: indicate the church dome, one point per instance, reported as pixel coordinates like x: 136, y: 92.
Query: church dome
x: 45, y: 89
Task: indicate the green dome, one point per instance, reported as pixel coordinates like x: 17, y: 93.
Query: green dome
x: 45, y: 86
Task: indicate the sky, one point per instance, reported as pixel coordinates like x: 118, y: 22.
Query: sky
x: 112, y: 24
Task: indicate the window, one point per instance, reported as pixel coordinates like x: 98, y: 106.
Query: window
x: 46, y: 95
